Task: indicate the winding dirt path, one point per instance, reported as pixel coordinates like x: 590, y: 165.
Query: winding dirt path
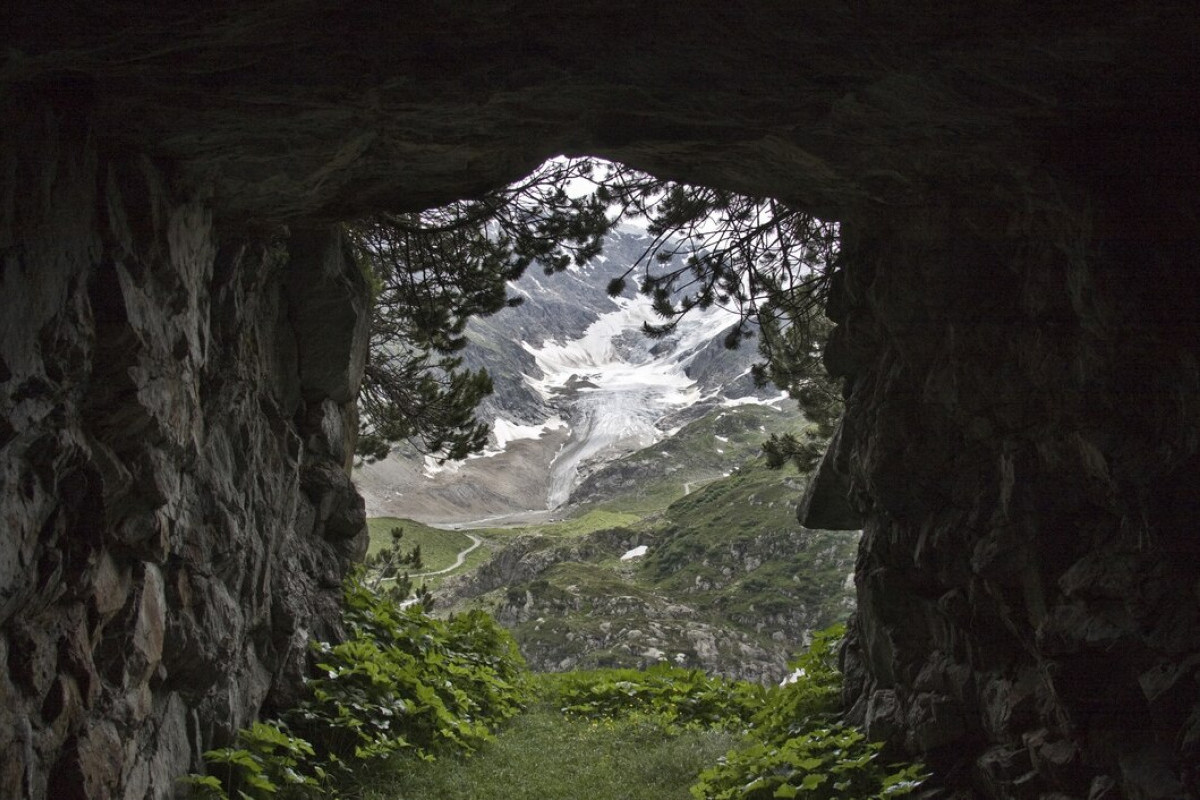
x: 458, y: 562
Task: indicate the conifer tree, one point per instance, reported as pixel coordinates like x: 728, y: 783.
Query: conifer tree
x: 766, y: 262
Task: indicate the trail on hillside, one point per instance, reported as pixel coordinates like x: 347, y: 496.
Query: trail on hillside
x: 458, y: 562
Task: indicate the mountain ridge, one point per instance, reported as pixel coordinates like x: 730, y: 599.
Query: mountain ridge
x: 577, y: 384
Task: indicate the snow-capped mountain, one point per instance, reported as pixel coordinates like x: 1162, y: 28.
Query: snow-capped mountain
x: 577, y: 385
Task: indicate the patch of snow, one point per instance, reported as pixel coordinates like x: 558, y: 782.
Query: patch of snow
x: 506, y: 431
x: 432, y: 467
x: 636, y: 552
x: 753, y: 401
x: 721, y: 438
x: 792, y: 678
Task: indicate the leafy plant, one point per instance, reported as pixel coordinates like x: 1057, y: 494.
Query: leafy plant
x: 267, y: 760
x: 673, y: 696
x: 402, y: 680
x: 810, y: 697
x: 832, y: 762
x: 405, y: 679
x: 799, y: 750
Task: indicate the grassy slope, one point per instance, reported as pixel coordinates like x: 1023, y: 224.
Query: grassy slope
x: 543, y: 755
x: 701, y: 451
x: 730, y: 549
x: 588, y: 522
x: 716, y: 528
x: 439, y: 548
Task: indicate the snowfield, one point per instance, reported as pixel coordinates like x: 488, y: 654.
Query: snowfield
x: 614, y: 384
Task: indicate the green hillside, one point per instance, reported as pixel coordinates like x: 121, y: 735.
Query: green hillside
x: 730, y: 582
x: 439, y: 548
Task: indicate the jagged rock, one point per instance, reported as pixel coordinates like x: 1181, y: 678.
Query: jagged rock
x: 156, y: 569
x: 826, y: 502
x: 329, y: 309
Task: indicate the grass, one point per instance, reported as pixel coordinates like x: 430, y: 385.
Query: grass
x: 652, y: 478
x: 544, y: 755
x: 439, y: 548
x: 590, y: 522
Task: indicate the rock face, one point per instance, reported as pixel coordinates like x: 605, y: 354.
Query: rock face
x: 177, y: 511
x: 1025, y: 450
x: 1017, y: 327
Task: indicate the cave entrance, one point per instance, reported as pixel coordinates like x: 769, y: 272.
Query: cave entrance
x: 618, y: 318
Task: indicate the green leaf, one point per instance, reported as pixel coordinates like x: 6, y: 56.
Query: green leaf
x: 812, y: 781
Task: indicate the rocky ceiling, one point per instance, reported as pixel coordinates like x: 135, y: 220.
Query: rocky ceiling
x: 322, y: 110
x: 1018, y: 332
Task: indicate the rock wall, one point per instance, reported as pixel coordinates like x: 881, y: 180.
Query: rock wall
x: 1023, y: 414
x: 177, y: 415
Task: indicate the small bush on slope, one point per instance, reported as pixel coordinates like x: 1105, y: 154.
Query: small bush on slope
x: 799, y: 750
x: 401, y: 680
x: 673, y: 697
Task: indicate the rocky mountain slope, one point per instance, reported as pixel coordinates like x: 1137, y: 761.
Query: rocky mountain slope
x: 724, y: 579
x: 680, y: 546
x: 577, y: 385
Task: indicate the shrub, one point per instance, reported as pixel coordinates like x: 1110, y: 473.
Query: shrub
x: 811, y: 698
x: 266, y: 760
x: 673, y: 696
x: 798, y: 750
x: 401, y: 680
x: 833, y: 762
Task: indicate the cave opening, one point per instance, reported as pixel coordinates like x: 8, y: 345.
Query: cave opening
x: 620, y: 388
x: 1016, y: 326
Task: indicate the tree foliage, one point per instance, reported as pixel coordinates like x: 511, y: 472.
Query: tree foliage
x: 764, y: 261
x: 433, y: 271
x: 401, y: 681
x: 767, y: 262
x: 386, y: 572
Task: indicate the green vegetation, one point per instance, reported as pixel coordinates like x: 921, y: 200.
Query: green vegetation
x: 674, y: 698
x: 393, y: 712
x: 401, y: 681
x: 750, y: 515
x: 728, y: 559
x: 648, y: 735
x: 833, y: 762
x: 439, y: 548
x: 798, y: 749
x: 544, y: 755
x: 588, y: 522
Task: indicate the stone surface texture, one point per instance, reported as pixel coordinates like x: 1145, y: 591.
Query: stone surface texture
x: 177, y: 513
x: 1017, y: 327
